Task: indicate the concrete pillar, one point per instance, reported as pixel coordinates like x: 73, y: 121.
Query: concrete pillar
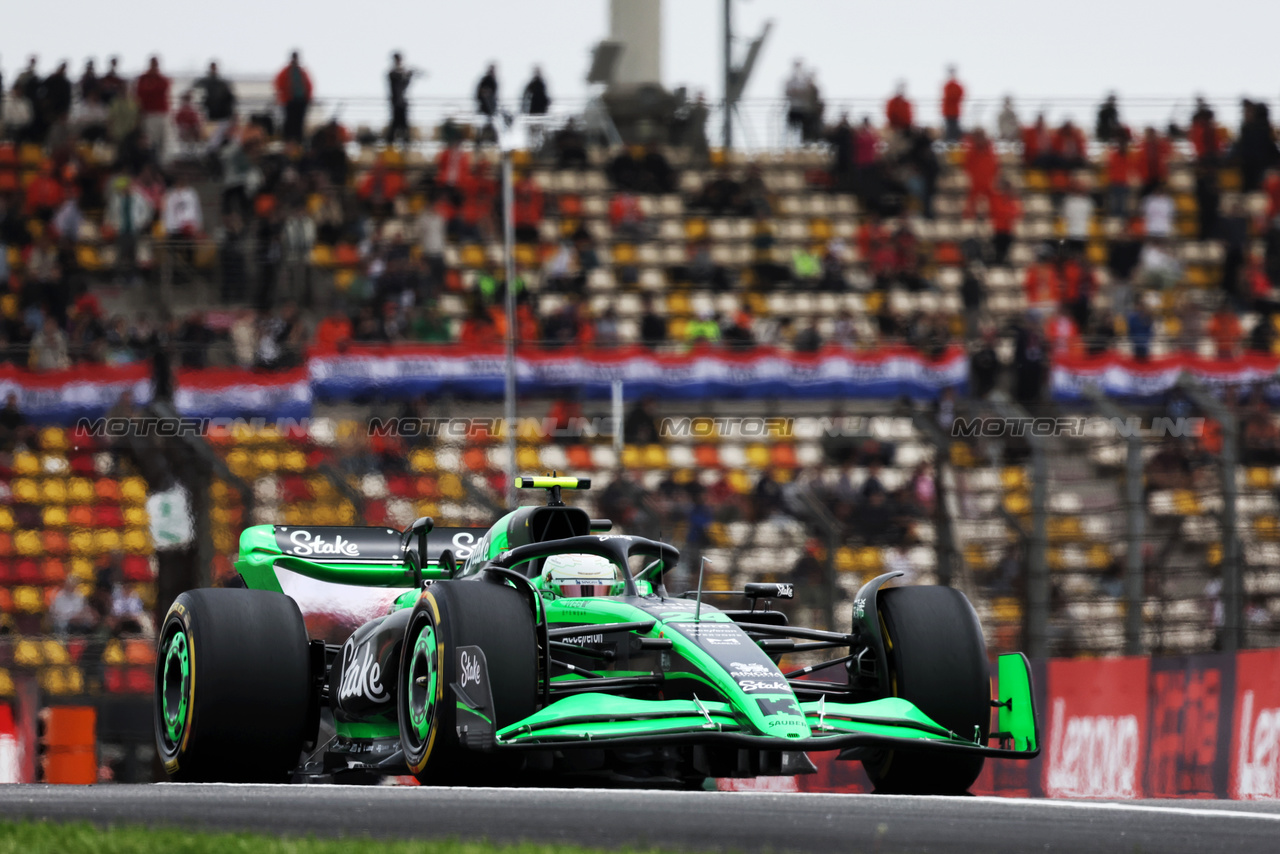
x: 638, y: 25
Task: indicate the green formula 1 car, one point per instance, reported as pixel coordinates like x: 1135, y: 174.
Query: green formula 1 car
x: 546, y: 650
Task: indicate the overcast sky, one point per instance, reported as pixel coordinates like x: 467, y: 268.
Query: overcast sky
x: 1154, y: 49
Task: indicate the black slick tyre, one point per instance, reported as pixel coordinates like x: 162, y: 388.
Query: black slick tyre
x: 233, y: 687
x: 452, y: 614
x: 938, y: 661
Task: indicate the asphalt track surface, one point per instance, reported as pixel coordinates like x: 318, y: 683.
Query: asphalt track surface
x: 675, y: 821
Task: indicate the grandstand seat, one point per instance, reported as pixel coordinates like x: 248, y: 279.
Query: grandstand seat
x: 136, y: 568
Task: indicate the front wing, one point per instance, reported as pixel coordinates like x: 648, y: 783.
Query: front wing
x: 598, y: 720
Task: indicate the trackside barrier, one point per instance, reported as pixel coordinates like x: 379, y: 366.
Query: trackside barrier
x: 69, y: 744
x: 1201, y: 726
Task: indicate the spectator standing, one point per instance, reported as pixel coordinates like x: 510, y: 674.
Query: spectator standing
x: 1108, y: 127
x: 127, y: 216
x: 1203, y: 133
x: 398, y: 80
x: 1077, y: 215
x: 111, y: 85
x: 1256, y: 147
x: 1158, y: 212
x: 487, y: 93
x: 153, y: 99
x: 898, y: 111
x: 952, y: 99
x: 293, y: 93
x: 536, y: 102
x: 49, y: 348
x: 797, y: 94
x: 1119, y: 172
x: 88, y: 84
x: 57, y: 98
x: 219, y: 104
x: 182, y: 216
x: 1008, y: 125
x: 1153, y: 160
x: 983, y: 167
x: 1005, y: 213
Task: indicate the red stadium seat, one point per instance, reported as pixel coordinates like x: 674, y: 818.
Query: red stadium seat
x: 80, y: 516
x: 137, y: 568
x: 55, y: 543
x: 26, y: 571
x: 107, y: 516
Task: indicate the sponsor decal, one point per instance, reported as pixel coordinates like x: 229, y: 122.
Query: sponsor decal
x: 1256, y: 740
x: 468, y: 669
x: 304, y: 544
x: 1186, y: 711
x: 860, y: 607
x: 1093, y: 756
x: 361, y: 674
x: 580, y: 640
x: 785, y: 720
x: 463, y: 544
x: 785, y: 591
x: 741, y: 668
x: 752, y: 686
x: 723, y: 641
x: 784, y: 707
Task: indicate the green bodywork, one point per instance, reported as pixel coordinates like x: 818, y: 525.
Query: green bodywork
x: 712, y: 701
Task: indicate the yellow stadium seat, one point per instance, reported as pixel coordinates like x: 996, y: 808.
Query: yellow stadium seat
x: 1013, y: 477
x: 53, y: 491
x: 428, y: 508
x: 25, y: 490
x: 7, y: 688
x: 739, y: 481
x: 975, y: 557
x: 758, y: 456
x: 1098, y: 557
x: 632, y: 456
x: 28, y: 600
x: 1017, y: 503
x: 54, y: 652
x: 114, y: 653
x: 53, y: 439
x: 527, y: 458
x: 79, y: 491
x: 27, y: 653
x: 451, y: 487
x: 135, y: 516
x: 422, y: 461
x: 846, y: 561
x: 1258, y: 477
x: 82, y: 568
x: 1185, y: 503
x: 321, y: 256
x: 6, y: 519
x: 1266, y: 527
x: 80, y: 543
x: 472, y: 256
x: 61, y: 681
x: 624, y: 254
x: 868, y: 560
x: 133, y: 490
x: 655, y: 457
x: 27, y: 543
x: 266, y: 461
x: 54, y: 517
x: 695, y: 229
x: 294, y: 461
x: 106, y: 540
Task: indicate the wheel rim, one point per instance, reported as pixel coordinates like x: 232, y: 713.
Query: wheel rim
x: 423, y: 683
x: 175, y: 687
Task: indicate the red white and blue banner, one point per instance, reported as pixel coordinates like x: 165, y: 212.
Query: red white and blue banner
x: 1124, y: 377
x: 402, y: 372
x: 238, y: 392
x: 83, y: 391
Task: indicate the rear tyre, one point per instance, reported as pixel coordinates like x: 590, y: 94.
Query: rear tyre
x: 233, y: 687
x: 452, y: 614
x: 938, y: 661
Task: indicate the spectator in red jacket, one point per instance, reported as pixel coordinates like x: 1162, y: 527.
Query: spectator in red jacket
x: 293, y: 92
x: 44, y: 194
x: 1203, y: 133
x: 983, y: 167
x: 899, y: 111
x: 1042, y: 287
x: 1069, y: 149
x: 152, y: 90
x: 527, y: 213
x: 1153, y: 161
x: 952, y: 97
x: 1037, y: 144
x: 379, y: 188
x: 1120, y: 171
x: 1005, y: 213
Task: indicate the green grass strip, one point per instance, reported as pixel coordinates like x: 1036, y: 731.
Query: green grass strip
x: 83, y: 838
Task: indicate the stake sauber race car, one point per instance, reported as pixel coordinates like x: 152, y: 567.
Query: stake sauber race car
x: 547, y: 651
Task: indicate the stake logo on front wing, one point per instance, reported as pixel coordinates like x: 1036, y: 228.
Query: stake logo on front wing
x: 361, y: 674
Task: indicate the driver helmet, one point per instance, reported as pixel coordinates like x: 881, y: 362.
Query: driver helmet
x: 576, y: 575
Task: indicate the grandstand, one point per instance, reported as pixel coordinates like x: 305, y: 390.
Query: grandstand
x: 346, y: 245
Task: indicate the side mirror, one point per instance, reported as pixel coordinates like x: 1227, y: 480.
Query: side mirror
x: 768, y: 590
x: 421, y: 527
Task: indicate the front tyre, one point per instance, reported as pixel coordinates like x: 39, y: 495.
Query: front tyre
x: 938, y: 661
x: 453, y: 614
x: 233, y: 687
